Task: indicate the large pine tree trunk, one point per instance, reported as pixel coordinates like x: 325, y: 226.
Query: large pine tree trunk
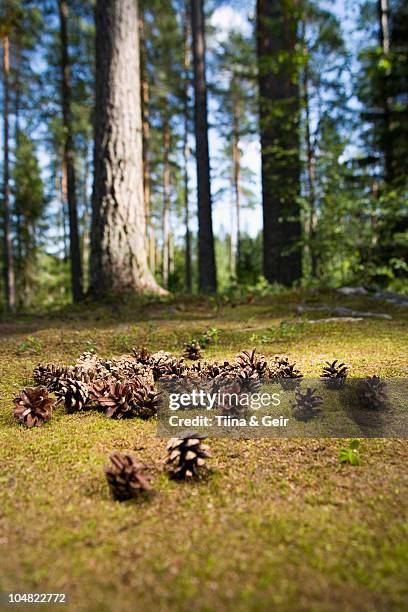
x: 207, y: 275
x: 145, y: 96
x: 119, y: 258
x: 279, y: 113
x: 8, y: 245
x: 69, y: 157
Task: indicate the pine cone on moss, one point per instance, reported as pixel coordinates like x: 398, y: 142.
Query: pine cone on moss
x: 51, y: 375
x: 248, y: 360
x: 74, y: 393
x: 372, y: 393
x: 280, y: 367
x: 146, y: 401
x: 334, y: 374
x: 126, y: 477
x: 117, y: 399
x: 186, y: 456
x: 166, y: 368
x: 193, y: 350
x: 213, y: 370
x: 33, y: 406
x: 306, y: 404
x: 143, y: 356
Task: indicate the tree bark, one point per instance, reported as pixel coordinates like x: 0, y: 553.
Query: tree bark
x: 119, y: 257
x: 311, y: 169
x: 206, y: 255
x: 8, y: 244
x: 186, y: 153
x: 69, y: 156
x: 279, y: 114
x: 236, y: 160
x: 387, y: 140
x: 145, y: 119
x: 166, y: 202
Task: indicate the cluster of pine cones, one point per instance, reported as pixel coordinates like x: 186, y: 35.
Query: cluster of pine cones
x: 125, y: 387
x: 186, y: 457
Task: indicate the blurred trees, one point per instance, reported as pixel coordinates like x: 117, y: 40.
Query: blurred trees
x: 323, y: 94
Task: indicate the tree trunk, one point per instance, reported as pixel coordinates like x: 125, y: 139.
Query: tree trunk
x: 279, y: 115
x: 186, y: 153
x: 387, y: 140
x: 119, y: 257
x: 311, y: 169
x: 69, y: 157
x: 8, y: 244
x: 166, y: 202
x: 145, y: 119
x: 207, y: 274
x: 236, y: 160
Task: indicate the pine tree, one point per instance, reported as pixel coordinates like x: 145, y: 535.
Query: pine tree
x: 206, y: 260
x: 119, y: 257
x: 277, y: 23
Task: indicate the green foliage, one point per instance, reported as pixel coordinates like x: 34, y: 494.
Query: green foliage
x: 30, y: 346
x: 351, y: 454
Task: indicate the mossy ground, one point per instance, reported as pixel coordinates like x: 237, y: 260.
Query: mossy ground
x: 279, y: 524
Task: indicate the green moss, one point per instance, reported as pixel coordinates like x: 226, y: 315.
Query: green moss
x: 280, y: 524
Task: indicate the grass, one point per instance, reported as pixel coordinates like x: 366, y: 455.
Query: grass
x: 279, y: 525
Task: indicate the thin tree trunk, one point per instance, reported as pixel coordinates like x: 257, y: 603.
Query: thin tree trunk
x: 145, y: 119
x: 279, y: 116
x: 166, y: 202
x: 69, y: 157
x: 236, y: 159
x: 311, y: 169
x: 20, y: 261
x: 206, y: 255
x: 387, y: 140
x: 8, y: 244
x: 64, y: 208
x: 85, y: 223
x: 186, y: 152
x: 118, y: 253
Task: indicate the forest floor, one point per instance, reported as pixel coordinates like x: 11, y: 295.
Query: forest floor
x: 279, y: 525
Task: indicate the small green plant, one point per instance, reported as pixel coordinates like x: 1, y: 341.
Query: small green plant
x: 351, y: 454
x: 210, y: 336
x: 30, y: 345
x: 120, y: 342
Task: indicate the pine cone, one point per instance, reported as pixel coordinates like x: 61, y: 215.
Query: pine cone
x: 186, y: 455
x: 166, y: 367
x: 372, y: 393
x: 280, y: 367
x: 118, y: 400
x: 146, y: 401
x: 250, y: 361
x: 51, y: 375
x: 74, y: 394
x: 143, y: 356
x: 126, y: 477
x: 334, y: 374
x: 127, y: 368
x: 33, y: 406
x: 192, y: 350
x: 213, y: 370
x: 306, y: 405
x: 99, y: 388
x: 230, y: 395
